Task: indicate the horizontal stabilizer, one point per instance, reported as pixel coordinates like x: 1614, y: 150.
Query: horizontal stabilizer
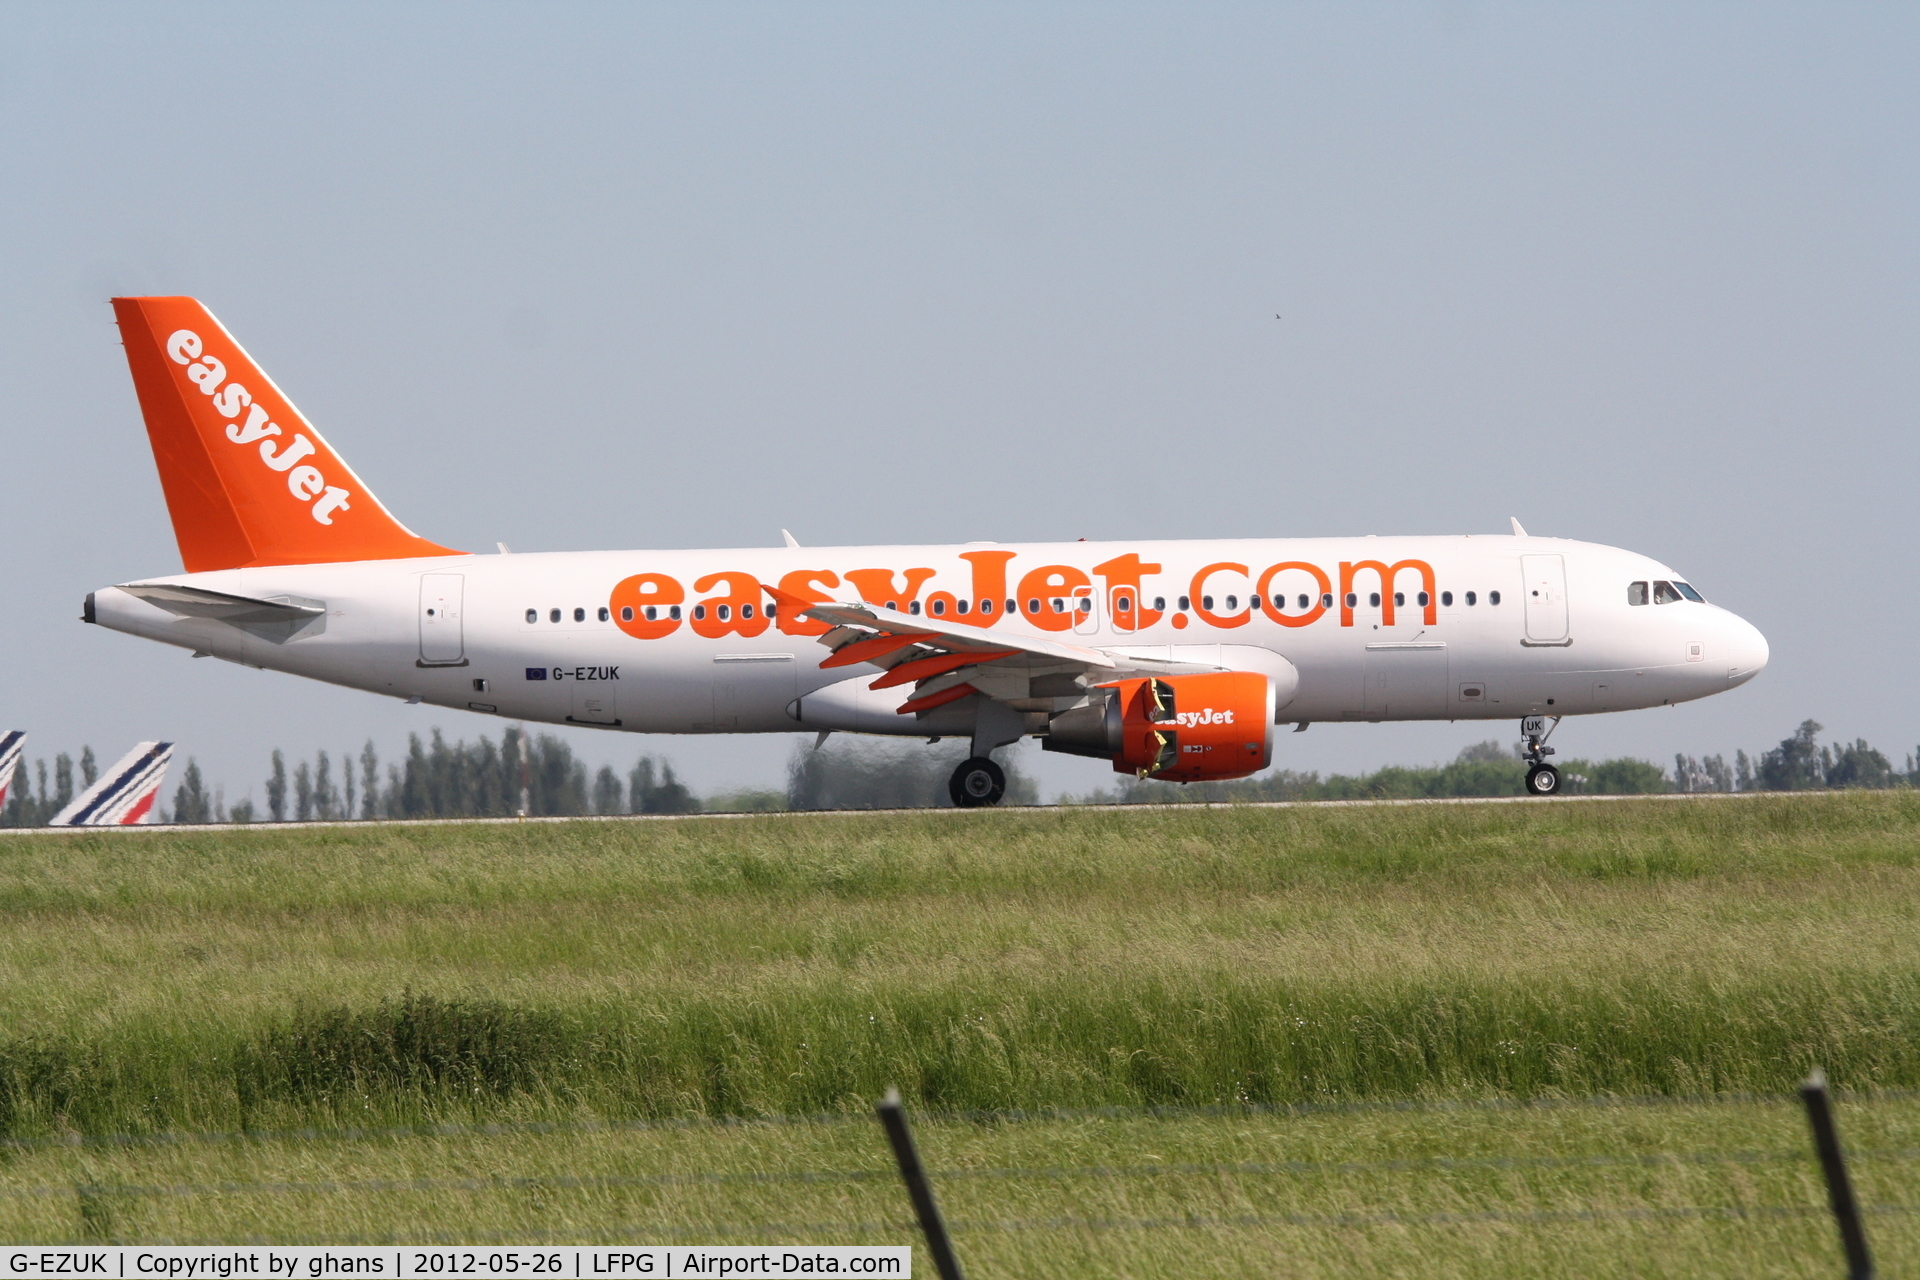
x: 125, y: 793
x: 11, y: 743
x: 198, y: 602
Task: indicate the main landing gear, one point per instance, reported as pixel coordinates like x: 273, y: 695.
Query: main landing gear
x: 1542, y: 778
x: 977, y: 782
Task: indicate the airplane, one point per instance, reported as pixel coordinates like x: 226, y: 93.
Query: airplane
x: 123, y: 795
x: 12, y: 742
x: 1171, y: 659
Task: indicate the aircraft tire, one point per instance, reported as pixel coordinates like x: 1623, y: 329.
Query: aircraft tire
x: 1543, y: 780
x: 976, y: 783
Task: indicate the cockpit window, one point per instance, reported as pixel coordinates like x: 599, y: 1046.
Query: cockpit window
x: 1663, y: 593
x: 1689, y: 592
x: 1636, y: 593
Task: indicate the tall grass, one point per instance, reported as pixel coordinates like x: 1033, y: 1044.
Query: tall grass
x: 1007, y: 960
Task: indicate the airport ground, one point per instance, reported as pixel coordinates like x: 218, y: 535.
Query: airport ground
x: 674, y: 1030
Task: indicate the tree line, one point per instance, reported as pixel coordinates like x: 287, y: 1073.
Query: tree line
x: 539, y: 776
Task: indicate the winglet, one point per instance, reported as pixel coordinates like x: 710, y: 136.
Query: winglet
x: 1518, y: 532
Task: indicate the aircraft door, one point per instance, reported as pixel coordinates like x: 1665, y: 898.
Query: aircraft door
x: 1545, y: 594
x: 442, y: 638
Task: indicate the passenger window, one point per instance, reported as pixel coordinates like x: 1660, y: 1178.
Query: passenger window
x: 1352, y: 599
x: 673, y: 612
x: 746, y: 611
x: 1124, y: 604
x: 1493, y: 597
x: 553, y: 616
x: 1422, y: 599
x: 1446, y: 598
x: 1233, y: 604
x: 579, y: 615
x: 773, y: 611
x: 1206, y: 602
x: 1689, y: 593
x: 1159, y: 604
x: 604, y: 615
x: 913, y: 607
x: 626, y: 613
x: 939, y: 608
x: 1185, y: 604
x: 1472, y: 599
x: 533, y: 615
x: 1373, y: 598
x: 1253, y: 602
x: 1033, y: 605
x: 1059, y: 605
x: 653, y: 613
x: 1086, y: 604
x: 1663, y: 593
x: 1326, y: 601
x: 1400, y: 600
x: 1013, y: 606
x: 1636, y: 593
x: 725, y: 612
x: 699, y: 613
x: 1303, y: 602
x: 986, y: 606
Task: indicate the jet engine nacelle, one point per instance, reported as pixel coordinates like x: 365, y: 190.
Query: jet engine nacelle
x: 1193, y: 728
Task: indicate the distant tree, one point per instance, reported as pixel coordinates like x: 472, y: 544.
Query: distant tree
x: 1488, y: 752
x: 652, y: 788
x: 1742, y: 772
x: 1719, y: 776
x: 609, y: 795
x: 1860, y: 765
x: 347, y: 810
x: 89, y: 769
x: 277, y: 788
x: 1794, y: 765
x: 241, y: 812
x: 62, y: 781
x: 302, y: 792
x: 191, y: 804
x: 369, y: 781
x: 326, y: 801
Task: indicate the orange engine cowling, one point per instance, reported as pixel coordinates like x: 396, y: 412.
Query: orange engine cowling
x: 1195, y: 728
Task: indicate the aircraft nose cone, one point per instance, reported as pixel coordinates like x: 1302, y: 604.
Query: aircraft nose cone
x: 1747, y: 650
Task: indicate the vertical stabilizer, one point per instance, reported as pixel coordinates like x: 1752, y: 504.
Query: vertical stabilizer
x: 248, y: 480
x: 11, y: 744
x: 125, y: 793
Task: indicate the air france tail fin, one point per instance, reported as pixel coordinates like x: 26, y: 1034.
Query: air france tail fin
x: 10, y: 744
x: 248, y: 480
x: 124, y: 795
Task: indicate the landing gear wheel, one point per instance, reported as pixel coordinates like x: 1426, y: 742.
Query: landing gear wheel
x: 1543, y: 780
x: 977, y: 782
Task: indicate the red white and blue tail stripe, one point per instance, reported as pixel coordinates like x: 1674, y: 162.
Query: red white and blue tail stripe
x: 124, y: 795
x: 11, y: 743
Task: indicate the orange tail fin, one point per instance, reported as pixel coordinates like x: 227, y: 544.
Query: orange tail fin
x: 248, y: 480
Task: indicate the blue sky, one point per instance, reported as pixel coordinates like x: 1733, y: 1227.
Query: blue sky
x: 629, y: 276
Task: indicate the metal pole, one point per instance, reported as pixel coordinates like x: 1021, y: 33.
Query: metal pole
x: 893, y: 1118
x: 1826, y: 1142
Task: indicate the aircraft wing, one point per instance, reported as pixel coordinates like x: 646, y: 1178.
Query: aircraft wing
x: 945, y: 659
x: 198, y: 602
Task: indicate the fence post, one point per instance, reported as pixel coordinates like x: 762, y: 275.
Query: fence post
x: 893, y: 1118
x: 1826, y: 1142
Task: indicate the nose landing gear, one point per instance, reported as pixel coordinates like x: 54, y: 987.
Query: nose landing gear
x: 1542, y: 778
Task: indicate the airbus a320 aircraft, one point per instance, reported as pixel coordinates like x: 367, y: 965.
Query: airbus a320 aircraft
x: 1172, y: 660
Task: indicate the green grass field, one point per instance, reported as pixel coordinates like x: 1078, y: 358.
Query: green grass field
x: 565, y: 983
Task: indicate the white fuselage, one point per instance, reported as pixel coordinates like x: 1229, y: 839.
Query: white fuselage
x: 479, y: 632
